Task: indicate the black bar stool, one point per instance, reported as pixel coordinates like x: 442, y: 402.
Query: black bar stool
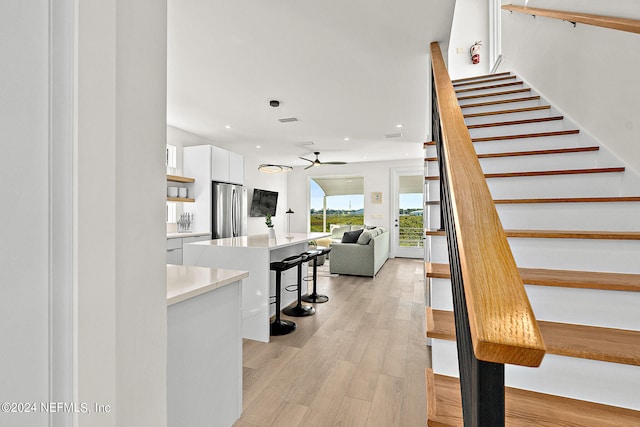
x: 279, y: 326
x: 300, y: 310
x: 315, y: 297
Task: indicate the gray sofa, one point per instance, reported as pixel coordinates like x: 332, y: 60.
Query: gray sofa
x: 361, y: 259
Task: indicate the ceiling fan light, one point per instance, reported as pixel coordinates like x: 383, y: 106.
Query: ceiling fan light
x: 268, y: 168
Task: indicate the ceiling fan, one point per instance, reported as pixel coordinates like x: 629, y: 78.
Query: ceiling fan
x: 318, y: 162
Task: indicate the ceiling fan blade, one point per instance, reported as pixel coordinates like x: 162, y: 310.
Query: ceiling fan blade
x: 306, y: 159
x: 334, y: 163
x: 310, y: 166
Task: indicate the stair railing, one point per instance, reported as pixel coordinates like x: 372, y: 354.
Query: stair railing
x: 494, y: 321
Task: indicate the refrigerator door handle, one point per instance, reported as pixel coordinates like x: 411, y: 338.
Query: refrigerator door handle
x: 234, y: 213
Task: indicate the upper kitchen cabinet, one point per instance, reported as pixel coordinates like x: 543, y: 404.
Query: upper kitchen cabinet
x: 226, y: 166
x: 236, y: 168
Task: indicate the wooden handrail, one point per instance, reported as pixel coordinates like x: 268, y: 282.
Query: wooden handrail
x: 614, y: 23
x: 502, y: 324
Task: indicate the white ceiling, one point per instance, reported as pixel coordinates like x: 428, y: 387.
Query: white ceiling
x: 346, y: 68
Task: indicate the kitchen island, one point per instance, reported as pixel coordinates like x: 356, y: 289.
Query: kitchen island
x: 253, y: 254
x: 204, y: 346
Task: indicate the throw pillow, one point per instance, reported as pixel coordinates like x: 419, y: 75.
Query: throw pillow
x: 337, y: 232
x: 351, y: 236
x: 364, y: 238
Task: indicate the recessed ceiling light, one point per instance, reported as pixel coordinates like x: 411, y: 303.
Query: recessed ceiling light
x: 346, y: 139
x: 228, y: 127
x: 257, y: 146
x: 398, y: 125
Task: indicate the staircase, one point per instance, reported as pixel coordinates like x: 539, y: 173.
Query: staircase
x: 571, y: 213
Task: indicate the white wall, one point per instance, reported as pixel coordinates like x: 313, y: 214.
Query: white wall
x: 377, y: 178
x: 590, y: 73
x: 24, y: 253
x: 470, y: 24
x: 120, y: 277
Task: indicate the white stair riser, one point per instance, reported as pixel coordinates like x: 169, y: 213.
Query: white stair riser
x: 591, y: 380
x: 619, y: 256
x: 565, y: 305
x: 618, y: 216
x: 581, y: 185
x: 589, y: 159
x: 551, y: 126
x: 478, y: 91
x: 528, y: 144
x: 535, y: 114
x: 472, y: 85
x: 496, y: 107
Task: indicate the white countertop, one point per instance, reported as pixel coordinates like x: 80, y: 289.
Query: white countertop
x: 184, y: 282
x: 178, y: 235
x: 263, y: 240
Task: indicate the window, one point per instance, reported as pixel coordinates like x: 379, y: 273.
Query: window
x: 495, y: 31
x: 336, y: 201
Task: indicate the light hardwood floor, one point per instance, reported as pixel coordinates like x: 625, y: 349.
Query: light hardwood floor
x: 359, y: 361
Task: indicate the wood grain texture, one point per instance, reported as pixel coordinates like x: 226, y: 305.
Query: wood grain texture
x: 525, y: 408
x: 502, y: 324
x: 563, y: 339
x: 494, y: 86
x: 562, y: 234
x: 517, y: 122
x: 484, y: 76
x: 559, y: 278
x: 611, y: 22
x: 176, y: 178
x: 502, y: 101
x: 488, y: 95
x: 181, y: 199
x: 350, y: 346
x: 527, y: 135
x: 481, y: 81
x: 619, y: 199
x: 511, y: 111
x: 541, y: 173
x: 529, y: 153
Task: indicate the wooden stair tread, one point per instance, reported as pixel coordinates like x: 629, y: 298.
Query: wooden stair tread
x: 527, y: 135
x: 511, y: 111
x: 542, y: 173
x: 502, y: 101
x: 563, y: 339
x: 617, y: 199
x: 494, y: 86
x: 524, y: 408
x: 484, y: 81
x: 466, y: 79
x: 517, y: 122
x: 562, y: 234
x: 559, y: 278
x: 489, y: 95
x: 429, y: 143
x: 529, y: 153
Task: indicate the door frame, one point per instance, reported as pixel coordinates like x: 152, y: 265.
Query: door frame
x: 395, y: 250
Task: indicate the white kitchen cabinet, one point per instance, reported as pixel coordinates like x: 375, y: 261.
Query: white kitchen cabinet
x: 175, y: 244
x: 236, y: 168
x: 219, y: 164
x: 208, y: 163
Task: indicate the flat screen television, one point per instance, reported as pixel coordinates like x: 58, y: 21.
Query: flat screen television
x: 263, y: 203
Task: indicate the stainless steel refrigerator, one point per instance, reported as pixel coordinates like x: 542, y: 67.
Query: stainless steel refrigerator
x: 229, y: 210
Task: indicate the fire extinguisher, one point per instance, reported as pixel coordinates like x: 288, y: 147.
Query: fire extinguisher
x: 474, y: 52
